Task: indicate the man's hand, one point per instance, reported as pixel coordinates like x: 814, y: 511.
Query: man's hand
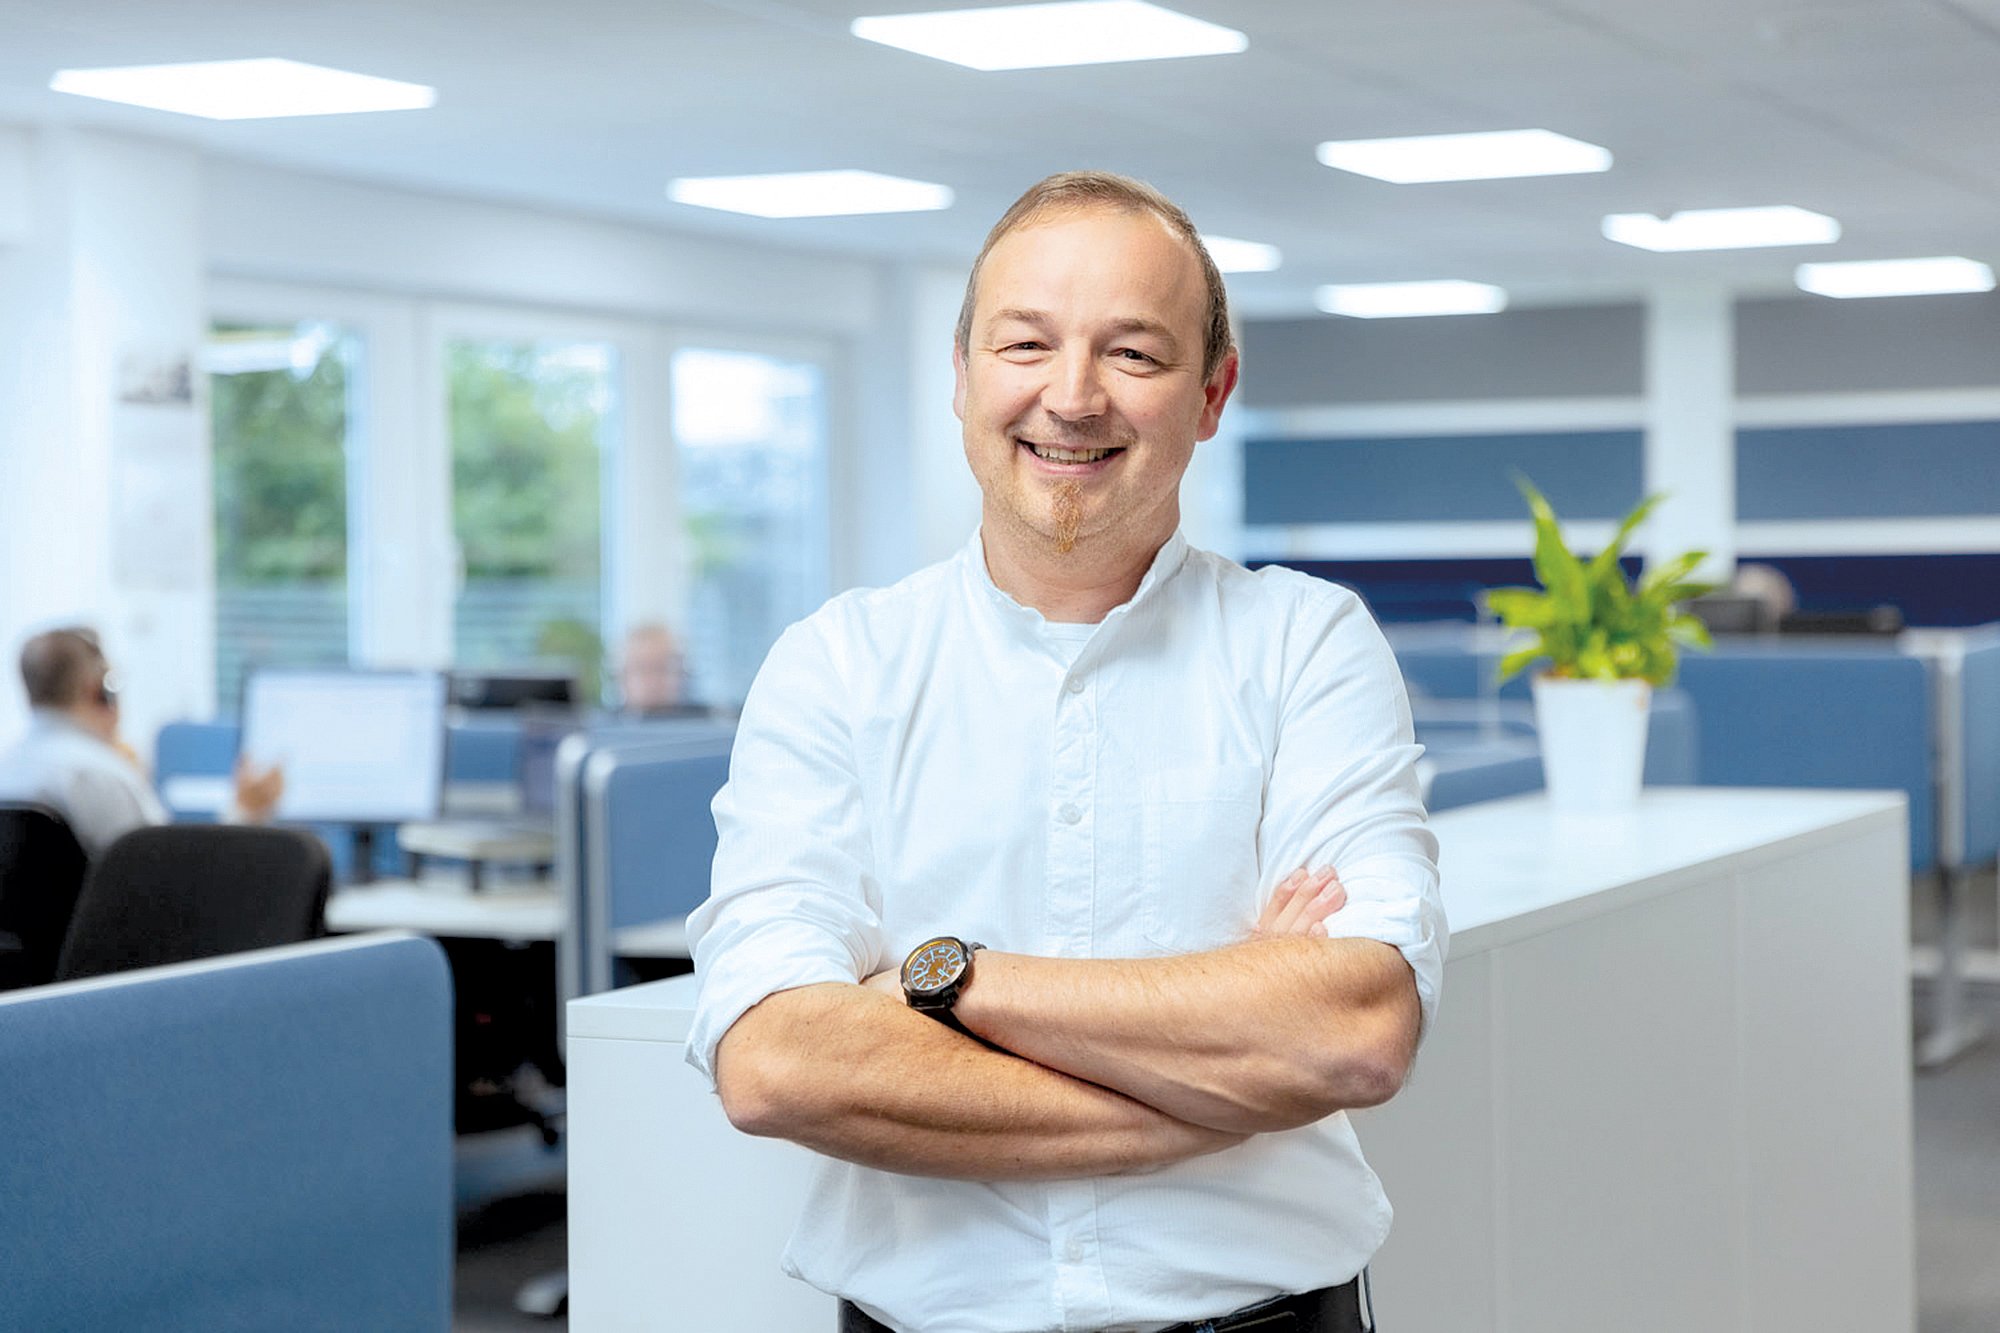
x: 1301, y: 904
x: 258, y: 790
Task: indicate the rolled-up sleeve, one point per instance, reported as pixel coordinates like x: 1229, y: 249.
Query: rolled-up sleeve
x: 1343, y: 789
x: 792, y: 898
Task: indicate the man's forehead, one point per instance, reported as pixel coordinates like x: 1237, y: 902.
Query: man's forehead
x: 1039, y: 236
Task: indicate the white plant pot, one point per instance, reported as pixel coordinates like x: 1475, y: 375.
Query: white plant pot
x: 1593, y: 736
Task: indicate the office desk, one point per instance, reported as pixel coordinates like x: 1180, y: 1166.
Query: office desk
x: 1669, y: 1088
x: 443, y: 904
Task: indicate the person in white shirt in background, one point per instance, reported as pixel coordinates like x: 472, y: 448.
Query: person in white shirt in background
x: 72, y: 760
x: 1174, y: 800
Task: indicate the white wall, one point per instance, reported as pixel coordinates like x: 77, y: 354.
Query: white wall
x: 105, y: 501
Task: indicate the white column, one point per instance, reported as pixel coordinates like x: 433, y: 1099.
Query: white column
x: 1690, y: 427
x: 106, y: 509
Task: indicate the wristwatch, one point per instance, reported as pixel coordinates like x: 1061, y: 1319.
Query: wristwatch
x: 934, y: 974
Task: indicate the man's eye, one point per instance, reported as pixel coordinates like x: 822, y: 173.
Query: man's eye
x: 1134, y: 354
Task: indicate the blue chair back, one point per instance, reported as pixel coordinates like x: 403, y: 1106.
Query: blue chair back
x: 251, y: 1143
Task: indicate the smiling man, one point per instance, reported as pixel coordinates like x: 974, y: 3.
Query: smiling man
x: 1070, y: 891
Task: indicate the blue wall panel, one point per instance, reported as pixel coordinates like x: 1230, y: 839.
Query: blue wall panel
x: 1439, y: 479
x: 1919, y: 469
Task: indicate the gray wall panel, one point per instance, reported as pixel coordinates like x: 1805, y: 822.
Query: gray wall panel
x: 1826, y: 346
x: 1585, y: 352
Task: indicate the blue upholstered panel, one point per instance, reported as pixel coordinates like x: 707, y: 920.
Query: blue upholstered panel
x: 1982, y: 753
x: 1439, y: 479
x: 1415, y: 591
x: 195, y: 749
x: 259, y: 1143
x: 1916, y: 469
x: 1824, y: 717
x: 485, y: 750
x: 1484, y: 772
x: 660, y: 835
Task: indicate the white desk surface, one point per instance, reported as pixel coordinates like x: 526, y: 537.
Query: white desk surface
x: 443, y: 904
x: 1512, y: 869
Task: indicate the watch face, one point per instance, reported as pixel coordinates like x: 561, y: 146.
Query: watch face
x: 934, y: 966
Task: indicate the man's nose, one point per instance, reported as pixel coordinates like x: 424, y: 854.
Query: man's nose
x: 1075, y: 391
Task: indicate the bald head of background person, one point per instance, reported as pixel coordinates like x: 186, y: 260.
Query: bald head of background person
x: 72, y: 758
x: 650, y: 670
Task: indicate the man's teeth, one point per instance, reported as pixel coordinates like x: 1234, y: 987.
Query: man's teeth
x: 1055, y: 455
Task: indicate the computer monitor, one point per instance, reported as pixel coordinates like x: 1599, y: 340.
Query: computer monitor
x: 511, y: 689
x: 357, y: 746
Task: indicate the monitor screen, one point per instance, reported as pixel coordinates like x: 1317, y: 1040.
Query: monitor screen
x: 357, y: 746
x: 511, y: 689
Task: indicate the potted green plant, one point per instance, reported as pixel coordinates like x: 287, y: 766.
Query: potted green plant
x: 1607, y: 642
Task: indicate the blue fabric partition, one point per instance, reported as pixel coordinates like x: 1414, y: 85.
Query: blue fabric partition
x: 650, y: 815
x: 1439, y: 479
x: 1981, y: 728
x: 1821, y: 717
x: 252, y: 1143
x: 1913, y: 469
x: 484, y: 750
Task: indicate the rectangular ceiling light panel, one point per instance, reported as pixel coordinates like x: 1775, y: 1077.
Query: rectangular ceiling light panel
x: 260, y: 89
x: 1396, y: 300
x: 811, y: 194
x: 1722, y: 228
x: 1077, y: 32
x: 1896, y: 277
x: 1234, y: 256
x: 1492, y: 155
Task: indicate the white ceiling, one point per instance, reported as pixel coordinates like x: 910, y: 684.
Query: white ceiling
x: 1883, y: 113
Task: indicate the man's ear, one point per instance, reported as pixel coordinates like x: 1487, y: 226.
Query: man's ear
x: 1215, y: 395
x: 957, y: 380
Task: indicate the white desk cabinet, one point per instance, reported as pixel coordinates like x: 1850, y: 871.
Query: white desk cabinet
x: 1669, y: 1089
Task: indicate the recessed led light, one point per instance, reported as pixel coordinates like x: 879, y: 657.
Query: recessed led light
x: 1394, y: 300
x: 1077, y: 32
x: 811, y: 194
x: 260, y: 89
x: 1490, y: 155
x: 1722, y: 228
x: 1234, y: 256
x: 1896, y: 277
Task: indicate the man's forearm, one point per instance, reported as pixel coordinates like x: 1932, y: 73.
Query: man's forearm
x: 1265, y: 1035
x: 854, y: 1074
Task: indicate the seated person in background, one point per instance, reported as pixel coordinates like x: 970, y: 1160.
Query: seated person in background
x: 72, y: 760
x: 651, y: 674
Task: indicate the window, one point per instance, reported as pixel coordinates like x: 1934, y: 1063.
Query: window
x: 529, y: 426
x: 751, y: 434
x: 280, y: 409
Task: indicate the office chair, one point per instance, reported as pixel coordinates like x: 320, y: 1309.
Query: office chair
x: 41, y: 872
x: 185, y: 891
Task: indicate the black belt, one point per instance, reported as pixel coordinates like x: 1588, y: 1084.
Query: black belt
x: 1328, y: 1310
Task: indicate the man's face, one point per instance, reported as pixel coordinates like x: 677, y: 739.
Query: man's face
x: 1081, y: 387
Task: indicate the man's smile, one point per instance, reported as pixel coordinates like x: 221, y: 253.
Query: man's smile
x: 1069, y: 459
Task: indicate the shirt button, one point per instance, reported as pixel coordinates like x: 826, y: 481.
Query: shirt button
x: 1075, y: 685
x: 1073, y: 1250
x: 1069, y: 814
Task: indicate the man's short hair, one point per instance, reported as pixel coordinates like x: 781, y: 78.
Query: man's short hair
x: 58, y: 665
x: 1077, y: 191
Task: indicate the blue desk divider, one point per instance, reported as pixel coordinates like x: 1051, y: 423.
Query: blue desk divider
x: 583, y: 951
x: 650, y: 838
x: 250, y: 1143
x: 1857, y: 717
x: 1980, y: 725
x: 485, y: 749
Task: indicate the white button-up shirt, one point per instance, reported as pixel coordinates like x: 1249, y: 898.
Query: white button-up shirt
x: 96, y: 790
x: 934, y: 758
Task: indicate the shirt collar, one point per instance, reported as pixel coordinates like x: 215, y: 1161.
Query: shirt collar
x: 1167, y: 562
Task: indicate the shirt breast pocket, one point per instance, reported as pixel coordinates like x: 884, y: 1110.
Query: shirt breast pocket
x: 1199, y: 855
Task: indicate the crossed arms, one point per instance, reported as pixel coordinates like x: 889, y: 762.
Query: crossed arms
x: 1091, y: 1066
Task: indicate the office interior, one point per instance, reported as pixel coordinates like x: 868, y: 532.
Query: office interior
x: 464, y: 390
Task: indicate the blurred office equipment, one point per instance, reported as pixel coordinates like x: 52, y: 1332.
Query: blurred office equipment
x: 1876, y: 620
x: 488, y: 690
x: 41, y: 872
x: 1733, y: 613
x: 254, y: 1142
x: 186, y: 891
x: 358, y: 747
